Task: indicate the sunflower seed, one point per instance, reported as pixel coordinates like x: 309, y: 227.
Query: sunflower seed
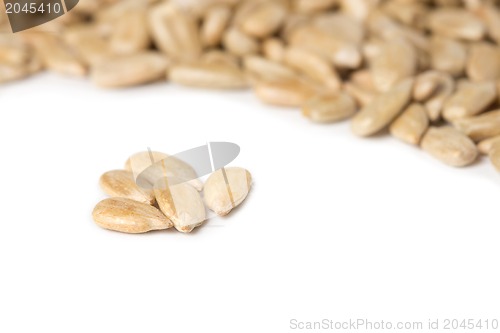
x: 226, y: 189
x: 121, y: 184
x: 495, y: 157
x: 411, y: 125
x: 181, y: 203
x: 175, y: 32
x: 448, y: 55
x: 130, y: 70
x: 481, y: 127
x: 456, y: 23
x: 57, y: 56
x: 329, y: 108
x: 396, y: 62
x: 313, y: 66
x: 273, y: 49
x: 487, y: 145
x: 140, y: 164
x: 446, y: 86
x: 426, y: 84
x: 129, y: 216
x: 214, y: 76
x: 450, y: 146
x: 292, y: 93
x: 470, y: 99
x: 239, y: 43
x: 131, y: 32
x: 267, y: 70
x: 264, y: 19
x: 484, y: 62
x: 382, y: 110
x: 214, y: 24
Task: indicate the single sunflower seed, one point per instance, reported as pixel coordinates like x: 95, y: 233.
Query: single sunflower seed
x: 382, y: 110
x: 292, y: 93
x: 450, y: 146
x: 151, y: 166
x: 487, y: 145
x: 121, y: 184
x: 481, y: 127
x: 411, y: 125
x: 226, y: 189
x: 130, y: 70
x: 470, y: 99
x: 181, y: 203
x: 129, y: 216
x: 483, y: 63
x: 213, y: 76
x: 329, y: 108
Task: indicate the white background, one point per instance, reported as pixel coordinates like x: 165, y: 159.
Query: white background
x: 336, y: 226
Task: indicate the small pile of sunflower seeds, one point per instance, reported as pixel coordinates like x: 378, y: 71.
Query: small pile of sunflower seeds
x: 425, y: 71
x: 171, y: 194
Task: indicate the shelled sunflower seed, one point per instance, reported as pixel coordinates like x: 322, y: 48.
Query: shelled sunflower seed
x: 412, y: 67
x: 157, y: 191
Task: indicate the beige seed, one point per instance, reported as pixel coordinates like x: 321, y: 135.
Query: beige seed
x: 215, y: 22
x: 362, y: 96
x: 484, y: 62
x: 487, y: 145
x: 226, y: 189
x: 129, y: 216
x: 173, y: 168
x: 364, y: 79
x: 426, y: 84
x: 456, y: 23
x: 213, y: 76
x: 267, y: 70
x: 448, y: 55
x: 343, y: 28
x: 273, y: 49
x: 14, y: 51
x: 264, y: 19
x: 470, y: 99
x: 411, y: 125
x: 56, y: 56
x: 329, y: 108
x: 313, y: 66
x: 121, y: 184
x: 495, y: 157
x: 10, y: 72
x: 175, y: 32
x: 450, y: 146
x: 131, y: 32
x: 434, y: 105
x: 396, y: 61
x: 93, y: 49
x: 384, y: 108
x: 130, y: 70
x: 181, y: 203
x: 220, y: 57
x: 359, y: 9
x: 326, y: 44
x: 291, y: 93
x: 239, y: 43
x: 481, y: 127
x: 491, y: 16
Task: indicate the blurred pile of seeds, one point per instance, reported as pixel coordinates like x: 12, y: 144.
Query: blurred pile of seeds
x: 428, y: 71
